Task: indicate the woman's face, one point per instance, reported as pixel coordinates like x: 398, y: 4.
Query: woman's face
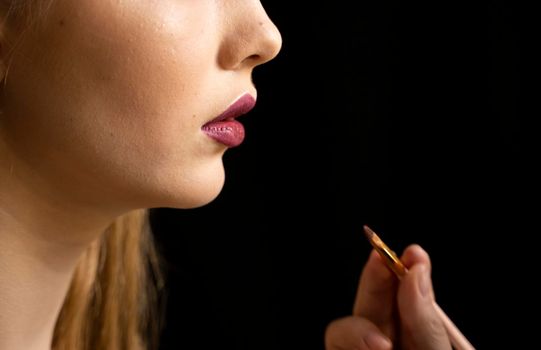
x: 106, y: 100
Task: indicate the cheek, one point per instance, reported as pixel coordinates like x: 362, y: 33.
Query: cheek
x: 121, y: 103
x: 137, y: 81
x: 148, y: 86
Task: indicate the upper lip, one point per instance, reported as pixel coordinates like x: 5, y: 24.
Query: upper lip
x: 242, y: 105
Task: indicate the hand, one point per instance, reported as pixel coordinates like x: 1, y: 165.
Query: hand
x: 389, y: 313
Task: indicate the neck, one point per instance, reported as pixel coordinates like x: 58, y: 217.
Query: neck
x: 35, y: 274
x: 34, y: 283
x: 41, y: 240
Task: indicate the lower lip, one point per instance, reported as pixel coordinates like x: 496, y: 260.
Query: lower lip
x: 227, y: 132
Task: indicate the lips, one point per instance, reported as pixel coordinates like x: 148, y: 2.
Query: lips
x: 224, y: 128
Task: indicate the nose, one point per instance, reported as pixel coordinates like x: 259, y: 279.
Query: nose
x: 250, y: 37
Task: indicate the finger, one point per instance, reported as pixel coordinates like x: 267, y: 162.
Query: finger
x: 421, y: 326
x: 355, y: 333
x: 414, y: 254
x: 376, y: 294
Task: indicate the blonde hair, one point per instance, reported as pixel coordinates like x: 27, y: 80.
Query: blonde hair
x: 115, y: 300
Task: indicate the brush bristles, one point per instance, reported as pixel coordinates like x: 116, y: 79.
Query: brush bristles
x: 368, y: 232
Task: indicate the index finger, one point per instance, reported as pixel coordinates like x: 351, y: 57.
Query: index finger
x: 376, y: 294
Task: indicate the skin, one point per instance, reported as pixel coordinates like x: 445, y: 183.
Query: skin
x: 101, y: 113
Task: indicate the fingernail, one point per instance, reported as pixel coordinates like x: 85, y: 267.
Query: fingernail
x: 377, y: 341
x: 424, y: 281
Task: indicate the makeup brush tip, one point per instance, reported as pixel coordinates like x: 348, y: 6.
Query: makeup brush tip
x: 368, y: 231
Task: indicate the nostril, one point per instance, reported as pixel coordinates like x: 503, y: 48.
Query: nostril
x: 254, y: 57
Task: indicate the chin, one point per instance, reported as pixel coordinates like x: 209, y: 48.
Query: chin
x: 199, y: 199
x: 200, y: 189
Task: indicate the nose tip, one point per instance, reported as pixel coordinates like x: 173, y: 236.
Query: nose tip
x: 270, y: 43
x: 252, y: 39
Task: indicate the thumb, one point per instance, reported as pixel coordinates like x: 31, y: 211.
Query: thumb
x: 422, y: 328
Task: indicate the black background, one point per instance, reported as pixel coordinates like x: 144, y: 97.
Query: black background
x: 407, y: 116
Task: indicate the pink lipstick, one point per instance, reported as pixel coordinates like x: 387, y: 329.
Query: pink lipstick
x: 224, y: 128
